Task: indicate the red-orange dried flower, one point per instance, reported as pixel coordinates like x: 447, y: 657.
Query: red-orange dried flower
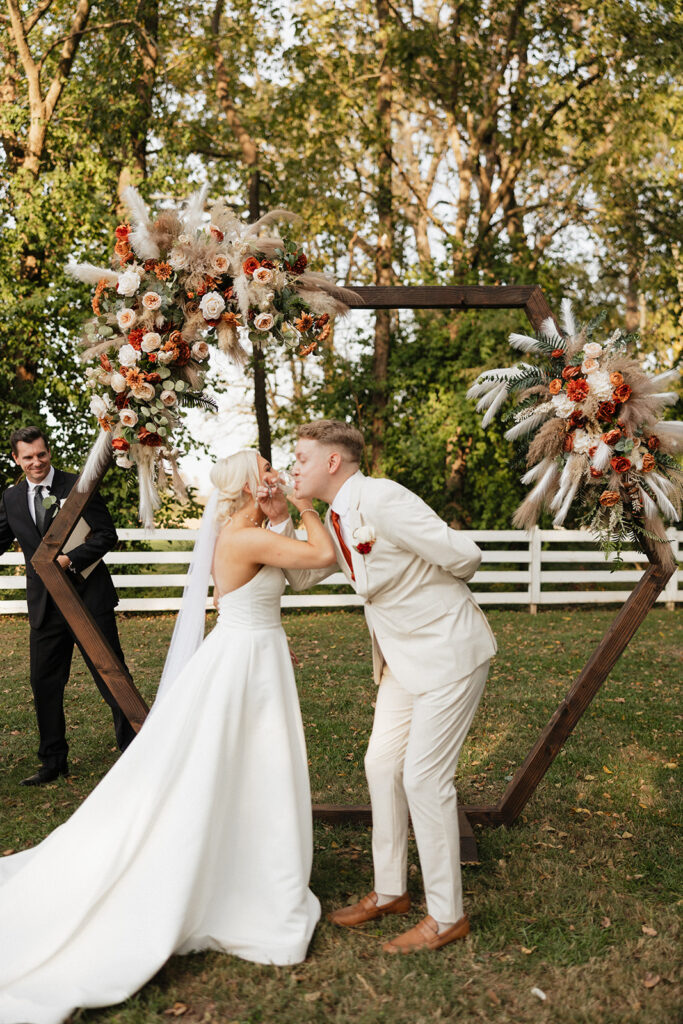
x: 149, y: 438
x: 555, y: 386
x: 609, y: 498
x: 306, y: 350
x: 620, y: 464
x: 163, y: 271
x: 653, y: 442
x: 304, y: 322
x: 648, y: 462
x: 557, y: 353
x: 121, y: 400
x: 122, y: 248
x: 105, y: 364
x: 119, y: 444
x: 250, y: 265
x: 596, y: 473
x: 577, y: 389
x: 571, y: 372
x: 135, y: 338
x: 612, y: 436
x: 122, y: 231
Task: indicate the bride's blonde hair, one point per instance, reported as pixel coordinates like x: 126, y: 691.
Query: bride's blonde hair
x: 229, y: 477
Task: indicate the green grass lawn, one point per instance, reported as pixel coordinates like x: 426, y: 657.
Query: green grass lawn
x: 580, y: 899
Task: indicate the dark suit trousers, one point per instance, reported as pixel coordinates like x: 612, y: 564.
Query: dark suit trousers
x: 51, y: 652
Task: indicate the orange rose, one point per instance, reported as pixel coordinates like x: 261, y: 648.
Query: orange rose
x: 555, y: 386
x: 577, y: 389
x: 609, y: 498
x: 307, y: 349
x: 596, y: 473
x: 571, y: 372
x: 122, y: 231
x: 120, y: 444
x: 612, y: 436
x: 620, y: 464
x: 648, y: 462
x: 122, y: 248
x: 622, y: 393
x: 250, y: 265
x: 616, y: 379
x: 557, y: 353
x: 653, y: 442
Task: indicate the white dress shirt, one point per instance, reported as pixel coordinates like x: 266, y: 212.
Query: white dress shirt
x: 32, y: 488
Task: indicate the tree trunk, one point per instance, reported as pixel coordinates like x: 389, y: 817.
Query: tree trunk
x: 385, y: 235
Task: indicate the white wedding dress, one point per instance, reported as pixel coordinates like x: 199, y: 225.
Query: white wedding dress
x: 200, y: 836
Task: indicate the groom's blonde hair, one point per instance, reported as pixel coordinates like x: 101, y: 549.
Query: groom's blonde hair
x: 229, y: 477
x: 337, y: 434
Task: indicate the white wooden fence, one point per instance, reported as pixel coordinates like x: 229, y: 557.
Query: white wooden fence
x: 534, y: 568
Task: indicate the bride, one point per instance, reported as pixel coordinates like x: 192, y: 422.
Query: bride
x: 200, y: 836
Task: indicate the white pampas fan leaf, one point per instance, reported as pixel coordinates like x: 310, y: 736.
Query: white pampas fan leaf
x: 98, y: 459
x: 567, y: 317
x: 526, y: 425
x: 141, y: 240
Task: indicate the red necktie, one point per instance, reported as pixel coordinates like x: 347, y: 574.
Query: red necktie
x: 345, y: 551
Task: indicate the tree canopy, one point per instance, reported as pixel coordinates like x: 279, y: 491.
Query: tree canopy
x: 476, y: 142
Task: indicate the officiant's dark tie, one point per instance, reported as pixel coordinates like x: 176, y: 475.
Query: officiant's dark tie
x: 345, y: 551
x: 42, y: 513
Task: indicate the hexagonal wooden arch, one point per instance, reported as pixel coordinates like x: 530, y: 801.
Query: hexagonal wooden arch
x: 570, y: 709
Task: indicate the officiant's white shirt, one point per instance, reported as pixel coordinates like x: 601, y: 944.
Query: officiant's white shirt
x: 32, y: 488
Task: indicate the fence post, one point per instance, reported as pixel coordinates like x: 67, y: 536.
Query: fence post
x: 534, y: 569
x: 671, y: 589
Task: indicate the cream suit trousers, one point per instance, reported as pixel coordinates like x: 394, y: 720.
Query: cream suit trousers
x: 410, y: 763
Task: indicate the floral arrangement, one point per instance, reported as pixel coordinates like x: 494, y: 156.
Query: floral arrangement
x: 591, y: 420
x: 177, y: 286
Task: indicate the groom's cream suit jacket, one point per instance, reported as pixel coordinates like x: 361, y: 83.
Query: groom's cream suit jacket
x: 424, y: 622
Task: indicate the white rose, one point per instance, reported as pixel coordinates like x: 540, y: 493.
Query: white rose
x: 128, y: 417
x: 200, y: 350
x: 592, y: 349
x: 123, y: 461
x: 263, y: 275
x: 151, y: 300
x: 263, y: 322
x: 143, y: 391
x: 220, y: 263
x: 590, y: 365
x: 600, y: 385
x: 583, y: 441
x: 126, y: 318
x: 118, y: 382
x: 364, y: 534
x: 128, y: 283
x: 563, y: 406
x: 165, y: 357
x: 128, y: 355
x: 184, y: 239
x: 212, y: 305
x: 178, y: 260
x: 168, y: 398
x: 100, y: 405
x: 150, y: 341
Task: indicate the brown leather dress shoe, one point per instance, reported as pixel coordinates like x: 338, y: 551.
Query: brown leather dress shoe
x: 367, y: 910
x: 426, y: 935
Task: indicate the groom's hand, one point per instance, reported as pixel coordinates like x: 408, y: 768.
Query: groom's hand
x: 271, y: 500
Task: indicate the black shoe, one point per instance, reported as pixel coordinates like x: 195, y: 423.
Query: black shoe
x: 47, y: 773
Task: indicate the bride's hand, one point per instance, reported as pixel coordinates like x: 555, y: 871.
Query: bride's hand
x: 271, y: 499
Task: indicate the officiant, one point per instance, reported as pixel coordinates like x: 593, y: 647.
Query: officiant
x: 26, y: 511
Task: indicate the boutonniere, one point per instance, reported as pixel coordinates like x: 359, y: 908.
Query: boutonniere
x: 49, y: 500
x: 364, y: 538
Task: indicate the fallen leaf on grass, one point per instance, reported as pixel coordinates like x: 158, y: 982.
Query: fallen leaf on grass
x: 608, y: 771
x: 311, y: 997
x: 539, y: 993
x: 492, y: 996
x: 177, y: 1010
x: 626, y: 835
x: 650, y: 980
x: 606, y: 923
x: 649, y: 931
x: 527, y: 951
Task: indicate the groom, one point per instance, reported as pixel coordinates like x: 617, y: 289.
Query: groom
x: 431, y: 646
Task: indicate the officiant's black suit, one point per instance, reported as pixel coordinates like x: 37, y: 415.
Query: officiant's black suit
x: 51, y: 641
